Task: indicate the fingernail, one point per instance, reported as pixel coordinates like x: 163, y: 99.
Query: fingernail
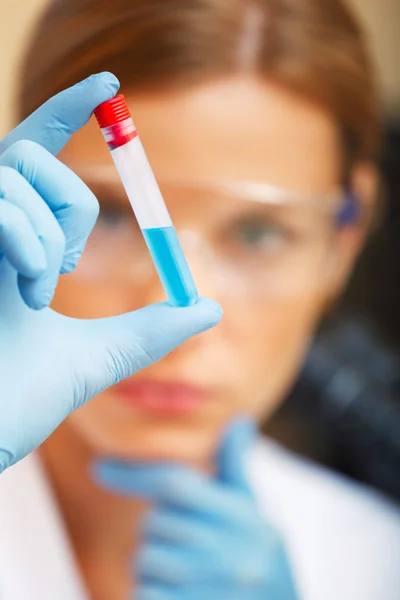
x: 215, y: 307
x: 211, y: 310
x: 109, y: 79
x: 38, y: 304
x: 70, y: 263
x: 42, y: 299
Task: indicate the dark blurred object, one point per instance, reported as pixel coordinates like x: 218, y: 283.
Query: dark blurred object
x: 375, y: 287
x: 350, y: 392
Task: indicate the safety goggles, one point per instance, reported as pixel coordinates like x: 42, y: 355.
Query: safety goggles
x: 246, y: 240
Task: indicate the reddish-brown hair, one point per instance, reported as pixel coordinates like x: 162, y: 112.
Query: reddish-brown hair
x: 314, y: 47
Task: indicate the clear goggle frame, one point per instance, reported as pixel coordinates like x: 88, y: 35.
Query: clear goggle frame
x: 246, y: 240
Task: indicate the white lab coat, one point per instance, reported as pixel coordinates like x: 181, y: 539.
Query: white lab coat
x: 343, y: 539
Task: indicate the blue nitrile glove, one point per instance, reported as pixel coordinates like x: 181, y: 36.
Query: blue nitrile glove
x: 204, y: 538
x: 51, y: 364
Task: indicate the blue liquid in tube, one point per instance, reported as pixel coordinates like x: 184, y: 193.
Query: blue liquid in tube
x: 171, y: 265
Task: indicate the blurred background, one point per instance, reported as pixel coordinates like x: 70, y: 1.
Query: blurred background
x: 381, y: 17
x: 345, y: 408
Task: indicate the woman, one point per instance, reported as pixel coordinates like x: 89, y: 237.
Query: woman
x: 260, y: 121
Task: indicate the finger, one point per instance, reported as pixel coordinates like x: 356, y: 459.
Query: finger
x: 120, y: 346
x: 73, y: 204
x: 227, y: 563
x: 231, y: 456
x: 177, y: 528
x: 177, y: 566
x: 163, y: 483
x: 19, y: 243
x: 149, y: 591
x: 156, y: 592
x: 52, y: 124
x: 162, y: 563
x: 176, y: 487
x: 15, y: 190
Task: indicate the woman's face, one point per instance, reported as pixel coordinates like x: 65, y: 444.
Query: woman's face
x: 273, y: 268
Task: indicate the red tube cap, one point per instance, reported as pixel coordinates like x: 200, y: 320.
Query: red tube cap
x: 112, y: 111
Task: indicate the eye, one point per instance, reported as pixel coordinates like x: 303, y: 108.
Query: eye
x: 257, y: 235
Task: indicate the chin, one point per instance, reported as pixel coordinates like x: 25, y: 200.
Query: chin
x: 152, y: 441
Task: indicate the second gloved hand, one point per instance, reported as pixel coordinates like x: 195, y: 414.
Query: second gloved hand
x: 205, y: 538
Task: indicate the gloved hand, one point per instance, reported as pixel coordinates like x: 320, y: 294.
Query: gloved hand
x: 204, y: 538
x: 50, y: 364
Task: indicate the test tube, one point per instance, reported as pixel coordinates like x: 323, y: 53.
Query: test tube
x: 147, y: 202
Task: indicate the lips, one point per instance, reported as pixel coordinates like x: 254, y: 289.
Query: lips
x: 159, y: 397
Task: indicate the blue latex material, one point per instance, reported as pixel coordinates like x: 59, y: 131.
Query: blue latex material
x: 350, y: 212
x: 50, y: 364
x: 171, y: 265
x: 204, y: 538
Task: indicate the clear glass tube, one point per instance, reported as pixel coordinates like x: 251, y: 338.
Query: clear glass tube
x: 147, y: 202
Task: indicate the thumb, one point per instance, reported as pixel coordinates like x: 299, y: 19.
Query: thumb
x: 114, y: 348
x: 231, y: 455
x: 56, y: 120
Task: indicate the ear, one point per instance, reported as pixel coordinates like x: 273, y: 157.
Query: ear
x: 351, y: 237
